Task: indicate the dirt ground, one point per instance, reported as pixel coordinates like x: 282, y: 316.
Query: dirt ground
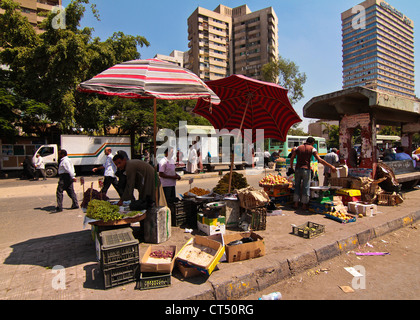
x: 390, y: 277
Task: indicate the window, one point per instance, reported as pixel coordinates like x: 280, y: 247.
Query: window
x: 18, y: 150
x: 46, y: 151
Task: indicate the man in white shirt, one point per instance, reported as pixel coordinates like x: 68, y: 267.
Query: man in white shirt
x: 67, y: 176
x: 40, y: 167
x: 192, y: 160
x: 168, y: 175
x: 109, y: 174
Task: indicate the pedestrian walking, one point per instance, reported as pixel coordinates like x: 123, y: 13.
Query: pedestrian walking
x: 110, y: 170
x: 28, y: 169
x: 333, y: 159
x: 303, y: 171
x: 67, y: 176
x: 40, y: 167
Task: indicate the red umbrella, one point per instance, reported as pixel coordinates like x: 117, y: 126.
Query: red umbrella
x: 250, y: 104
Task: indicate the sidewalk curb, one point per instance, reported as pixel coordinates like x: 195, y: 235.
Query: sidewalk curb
x: 275, y: 271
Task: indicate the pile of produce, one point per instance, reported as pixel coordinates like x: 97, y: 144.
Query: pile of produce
x: 197, y: 192
x: 238, y: 182
x: 103, y: 210
x: 342, y: 216
x: 92, y: 194
x: 273, y: 180
x: 162, y: 254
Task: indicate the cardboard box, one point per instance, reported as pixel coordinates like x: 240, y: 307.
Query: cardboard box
x: 219, y: 238
x: 211, y: 230
x: 244, y: 251
x: 349, y: 192
x: 211, y: 226
x: 201, y: 253
x: 342, y: 172
x: 368, y: 210
x: 350, y: 195
x: 149, y: 264
x: 352, y: 206
x: 188, y: 272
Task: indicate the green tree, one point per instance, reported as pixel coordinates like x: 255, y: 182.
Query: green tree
x: 390, y: 131
x: 47, y: 68
x: 296, y: 130
x: 285, y: 73
x: 333, y: 135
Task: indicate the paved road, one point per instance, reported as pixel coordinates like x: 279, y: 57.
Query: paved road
x: 392, y: 277
x: 32, y: 241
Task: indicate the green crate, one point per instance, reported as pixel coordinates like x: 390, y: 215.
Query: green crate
x: 150, y: 280
x: 309, y: 230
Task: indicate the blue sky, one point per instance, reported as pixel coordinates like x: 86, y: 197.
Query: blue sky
x: 309, y: 32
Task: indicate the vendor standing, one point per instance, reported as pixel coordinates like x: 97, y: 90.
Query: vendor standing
x: 304, y: 154
x: 141, y: 176
x: 168, y: 175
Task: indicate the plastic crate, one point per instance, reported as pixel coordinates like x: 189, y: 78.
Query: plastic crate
x: 309, y: 230
x: 257, y: 218
x: 118, y: 247
x: 120, y: 275
x: 149, y: 281
x: 352, y: 218
x: 179, y: 213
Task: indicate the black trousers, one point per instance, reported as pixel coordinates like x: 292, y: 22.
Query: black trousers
x: 107, y: 183
x: 65, y: 183
x: 170, y: 194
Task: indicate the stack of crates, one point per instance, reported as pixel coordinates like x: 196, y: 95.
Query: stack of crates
x: 119, y: 257
x: 178, y: 213
x: 184, y: 213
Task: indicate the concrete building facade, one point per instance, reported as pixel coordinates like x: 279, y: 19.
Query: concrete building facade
x: 35, y: 10
x: 378, y: 48
x: 175, y: 56
x: 230, y: 41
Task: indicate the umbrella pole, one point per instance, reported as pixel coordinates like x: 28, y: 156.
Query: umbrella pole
x: 233, y: 155
x: 155, y: 149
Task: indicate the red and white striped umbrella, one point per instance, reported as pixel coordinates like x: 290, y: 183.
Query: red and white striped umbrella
x: 149, y: 79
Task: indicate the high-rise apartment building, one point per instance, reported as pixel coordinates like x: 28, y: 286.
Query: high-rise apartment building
x: 378, y: 48
x: 231, y: 41
x: 254, y: 40
x: 35, y: 10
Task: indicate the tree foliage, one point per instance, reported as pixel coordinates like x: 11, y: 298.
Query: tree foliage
x: 285, y: 73
x: 46, y: 68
